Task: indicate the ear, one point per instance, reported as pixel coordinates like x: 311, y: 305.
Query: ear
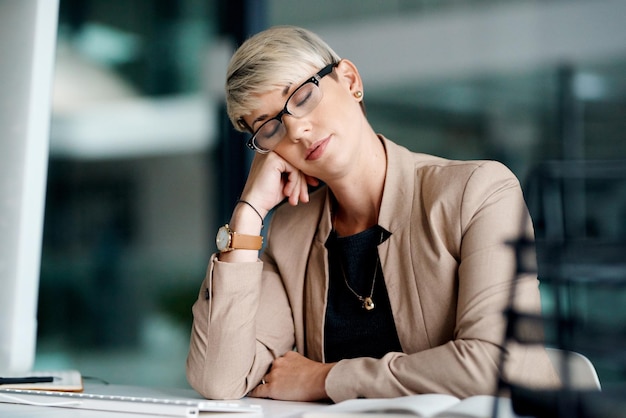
x: 349, y: 76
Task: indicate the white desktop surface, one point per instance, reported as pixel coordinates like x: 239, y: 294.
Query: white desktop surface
x: 271, y: 408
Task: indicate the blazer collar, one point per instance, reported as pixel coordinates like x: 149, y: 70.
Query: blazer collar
x: 395, y: 209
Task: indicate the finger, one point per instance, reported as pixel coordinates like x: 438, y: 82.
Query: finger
x: 261, y: 391
x: 256, y: 392
x: 304, y: 189
x: 293, y: 185
x: 311, y: 181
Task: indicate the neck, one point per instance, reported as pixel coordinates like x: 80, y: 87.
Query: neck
x: 358, y: 196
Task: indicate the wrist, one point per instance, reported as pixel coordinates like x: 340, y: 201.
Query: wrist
x: 245, y: 220
x: 254, y: 208
x: 322, y: 375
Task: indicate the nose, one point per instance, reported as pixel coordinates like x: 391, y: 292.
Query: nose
x: 296, y: 128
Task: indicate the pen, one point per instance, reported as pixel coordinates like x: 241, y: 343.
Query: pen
x: 25, y: 380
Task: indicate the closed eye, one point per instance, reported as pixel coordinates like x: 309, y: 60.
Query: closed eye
x: 302, y: 96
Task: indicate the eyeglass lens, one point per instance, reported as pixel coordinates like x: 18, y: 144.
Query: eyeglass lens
x: 300, y: 103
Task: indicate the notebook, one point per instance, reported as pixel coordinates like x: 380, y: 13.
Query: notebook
x: 62, y: 380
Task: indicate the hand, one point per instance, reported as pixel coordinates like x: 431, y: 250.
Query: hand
x: 271, y: 179
x: 294, y: 377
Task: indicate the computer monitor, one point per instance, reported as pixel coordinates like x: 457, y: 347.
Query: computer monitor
x: 28, y: 31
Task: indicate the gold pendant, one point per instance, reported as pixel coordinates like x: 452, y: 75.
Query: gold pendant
x: 368, y: 304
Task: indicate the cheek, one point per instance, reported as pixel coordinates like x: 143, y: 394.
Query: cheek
x: 343, y: 109
x: 289, y: 152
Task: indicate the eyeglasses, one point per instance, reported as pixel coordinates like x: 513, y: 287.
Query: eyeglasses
x: 300, y: 103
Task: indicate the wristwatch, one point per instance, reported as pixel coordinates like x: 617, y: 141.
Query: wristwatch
x: 228, y: 240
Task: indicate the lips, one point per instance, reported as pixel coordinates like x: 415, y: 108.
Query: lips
x: 317, y: 150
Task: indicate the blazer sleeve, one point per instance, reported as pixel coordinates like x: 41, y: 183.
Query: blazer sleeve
x: 488, y: 212
x: 234, y: 337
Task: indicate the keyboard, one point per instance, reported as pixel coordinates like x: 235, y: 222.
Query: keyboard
x: 174, y: 407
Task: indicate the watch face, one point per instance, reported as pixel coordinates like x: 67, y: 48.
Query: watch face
x: 222, y: 240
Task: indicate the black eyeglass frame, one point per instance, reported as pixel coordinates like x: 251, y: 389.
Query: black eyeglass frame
x: 315, y: 79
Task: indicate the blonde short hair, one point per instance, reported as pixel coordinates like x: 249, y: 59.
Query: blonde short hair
x: 274, y: 58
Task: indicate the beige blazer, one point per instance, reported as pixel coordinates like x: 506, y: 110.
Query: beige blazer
x: 447, y: 268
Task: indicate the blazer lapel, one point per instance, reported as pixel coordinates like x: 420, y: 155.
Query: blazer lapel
x: 396, y: 253
x: 316, y: 286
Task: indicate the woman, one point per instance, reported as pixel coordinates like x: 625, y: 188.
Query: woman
x: 390, y: 279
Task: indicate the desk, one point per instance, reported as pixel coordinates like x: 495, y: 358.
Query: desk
x: 271, y: 408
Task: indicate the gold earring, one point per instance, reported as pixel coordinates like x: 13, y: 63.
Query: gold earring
x: 358, y: 94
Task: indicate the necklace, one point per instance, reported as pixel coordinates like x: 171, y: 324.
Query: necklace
x: 366, y: 301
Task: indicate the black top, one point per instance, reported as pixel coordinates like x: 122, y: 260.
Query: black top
x: 350, y: 330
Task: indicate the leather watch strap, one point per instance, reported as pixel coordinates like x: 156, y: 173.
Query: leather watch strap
x: 246, y: 242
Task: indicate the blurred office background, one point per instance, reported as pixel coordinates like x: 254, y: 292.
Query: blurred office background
x: 143, y: 167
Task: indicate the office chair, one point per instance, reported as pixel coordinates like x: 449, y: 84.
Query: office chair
x: 575, y: 370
